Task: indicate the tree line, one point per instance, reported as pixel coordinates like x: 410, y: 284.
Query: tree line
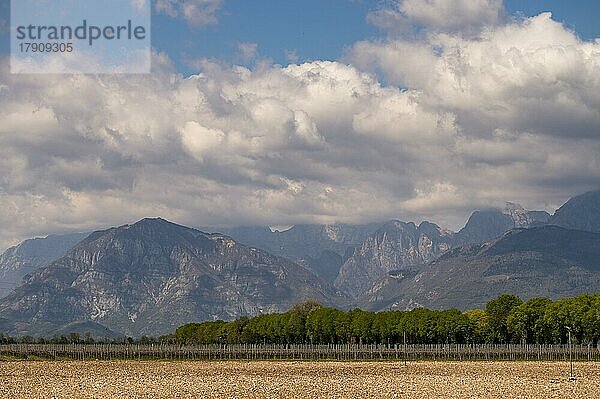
x: 506, y: 319
x: 76, y: 338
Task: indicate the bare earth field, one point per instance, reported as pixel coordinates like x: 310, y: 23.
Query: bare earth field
x: 234, y: 379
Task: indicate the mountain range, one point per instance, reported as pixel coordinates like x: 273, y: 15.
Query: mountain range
x: 394, y: 246
x: 322, y: 248
x: 547, y: 261
x: 152, y: 276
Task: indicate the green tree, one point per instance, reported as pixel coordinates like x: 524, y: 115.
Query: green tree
x: 498, y: 311
x: 569, y: 312
x: 480, y: 326
x: 591, y: 322
x: 295, y: 329
x: 525, y: 322
x: 343, y: 327
x: 362, y: 326
x: 210, y: 332
x: 420, y: 326
x: 234, y: 330
x: 453, y: 327
x: 385, y: 326
x: 321, y: 326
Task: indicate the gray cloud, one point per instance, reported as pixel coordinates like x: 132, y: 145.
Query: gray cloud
x: 467, y: 17
x: 196, y: 12
x: 248, y: 51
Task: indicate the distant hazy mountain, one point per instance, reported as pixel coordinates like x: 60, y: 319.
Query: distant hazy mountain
x: 487, y: 224
x: 30, y: 255
x: 394, y: 246
x: 543, y: 261
x: 322, y: 248
x: 150, y: 277
x: 581, y: 213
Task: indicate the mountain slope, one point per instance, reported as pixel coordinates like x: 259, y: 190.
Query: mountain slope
x: 404, y: 247
x: 487, y: 224
x: 581, y: 213
x: 543, y: 261
x: 150, y: 277
x: 395, y: 246
x: 30, y: 255
x: 322, y: 248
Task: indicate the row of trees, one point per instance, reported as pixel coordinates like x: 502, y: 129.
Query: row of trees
x: 76, y: 338
x: 505, y: 320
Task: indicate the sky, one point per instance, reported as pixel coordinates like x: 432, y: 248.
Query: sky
x: 298, y: 31
x: 282, y: 112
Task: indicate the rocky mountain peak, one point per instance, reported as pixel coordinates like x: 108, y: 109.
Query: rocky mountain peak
x: 396, y: 246
x: 546, y: 261
x: 518, y: 214
x: 322, y: 248
x: 152, y: 276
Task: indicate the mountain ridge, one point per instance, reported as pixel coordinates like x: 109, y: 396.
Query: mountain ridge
x: 395, y: 245
x: 581, y: 212
x: 150, y: 277
x: 541, y: 261
x: 17, y: 261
